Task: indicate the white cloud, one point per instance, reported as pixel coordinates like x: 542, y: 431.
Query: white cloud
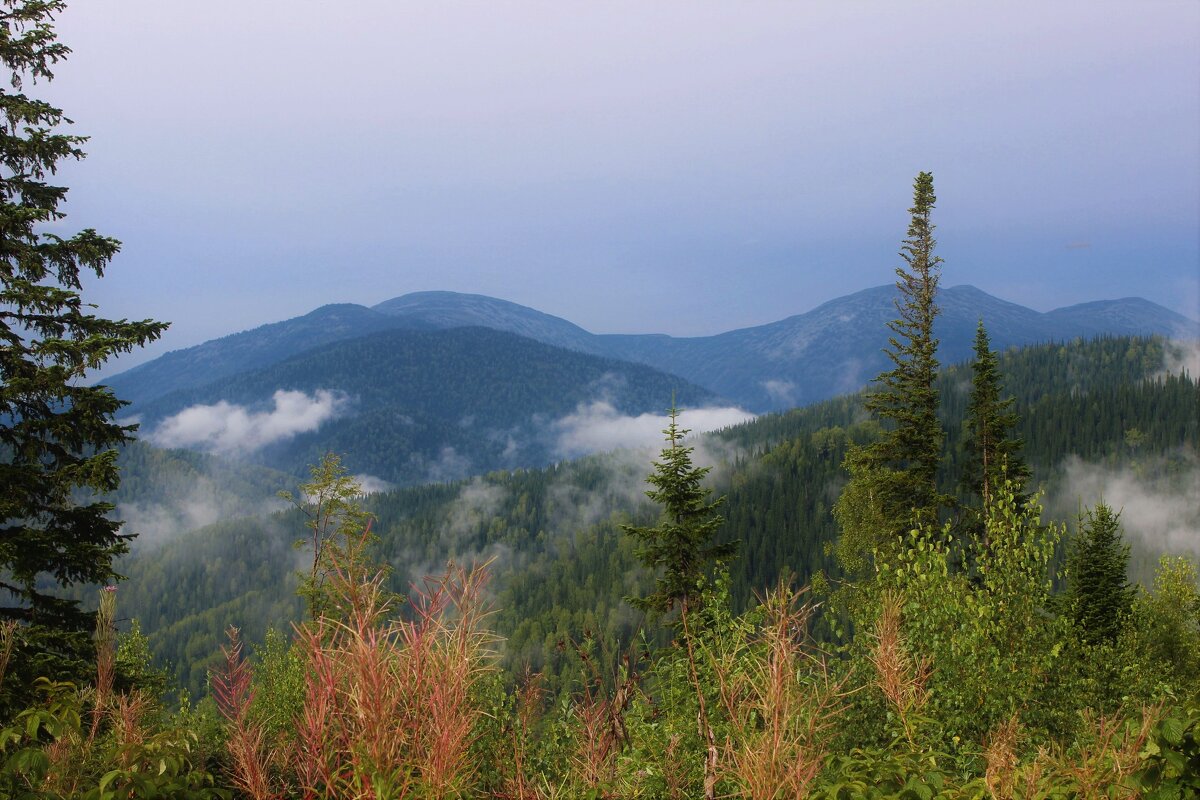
x: 1162, y: 513
x: 228, y: 429
x: 598, y: 427
x: 449, y: 466
x: 781, y: 391
x: 1182, y: 355
x: 369, y: 484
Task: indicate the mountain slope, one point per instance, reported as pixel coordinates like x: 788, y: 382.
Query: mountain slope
x: 423, y: 405
x: 259, y: 347
x: 838, y: 346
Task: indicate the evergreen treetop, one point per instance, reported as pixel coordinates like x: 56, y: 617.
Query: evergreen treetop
x: 681, y: 544
x: 906, y: 395
x: 1099, y: 593
x: 893, y: 482
x: 993, y: 450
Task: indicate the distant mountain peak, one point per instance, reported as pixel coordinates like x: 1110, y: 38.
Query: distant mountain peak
x: 442, y: 309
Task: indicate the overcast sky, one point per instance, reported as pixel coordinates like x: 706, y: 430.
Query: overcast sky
x: 684, y: 168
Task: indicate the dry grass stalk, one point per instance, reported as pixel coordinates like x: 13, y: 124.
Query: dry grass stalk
x: 388, y: 704
x: 675, y: 770
x: 703, y: 722
x: 781, y: 701
x: 1000, y: 751
x: 1101, y: 767
x: 106, y: 654
x: 600, y: 718
x: 8, y: 640
x: 901, y: 677
x: 315, y: 732
x: 517, y: 785
x: 246, y: 744
x: 127, y: 713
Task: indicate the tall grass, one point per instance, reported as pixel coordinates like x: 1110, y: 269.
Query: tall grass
x: 388, y: 705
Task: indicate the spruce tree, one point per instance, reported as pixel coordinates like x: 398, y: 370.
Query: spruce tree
x: 56, y: 434
x: 1099, y: 594
x: 893, y: 480
x: 681, y: 544
x: 993, y: 451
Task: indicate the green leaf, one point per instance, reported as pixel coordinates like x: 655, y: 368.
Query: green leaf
x: 1172, y: 731
x: 108, y: 778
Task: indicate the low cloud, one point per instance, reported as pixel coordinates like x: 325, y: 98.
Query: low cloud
x: 474, y: 508
x: 449, y: 466
x: 598, y: 427
x: 185, y: 508
x: 572, y: 505
x: 369, y: 484
x: 781, y: 392
x: 1159, y: 505
x: 229, y: 429
x: 1182, y: 355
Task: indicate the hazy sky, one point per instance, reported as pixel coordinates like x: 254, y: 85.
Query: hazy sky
x: 685, y: 168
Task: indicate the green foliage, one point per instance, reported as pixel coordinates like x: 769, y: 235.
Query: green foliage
x: 893, y: 480
x: 49, y: 753
x: 1170, y: 765
x: 135, y: 667
x: 1164, y: 629
x: 339, y: 537
x: 279, y: 684
x: 681, y: 544
x: 985, y: 648
x: 56, y: 435
x: 1099, y: 594
x: 992, y: 451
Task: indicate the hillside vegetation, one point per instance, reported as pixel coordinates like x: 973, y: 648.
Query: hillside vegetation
x: 563, y: 568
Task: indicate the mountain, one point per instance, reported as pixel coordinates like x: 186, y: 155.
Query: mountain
x: 834, y: 348
x: 260, y: 347
x: 409, y: 406
x: 838, y: 346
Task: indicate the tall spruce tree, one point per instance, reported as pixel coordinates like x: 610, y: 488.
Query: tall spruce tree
x: 1099, y: 593
x: 56, y: 435
x: 894, y: 480
x: 681, y: 544
x: 993, y: 450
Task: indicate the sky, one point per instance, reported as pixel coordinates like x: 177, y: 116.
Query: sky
x: 675, y: 167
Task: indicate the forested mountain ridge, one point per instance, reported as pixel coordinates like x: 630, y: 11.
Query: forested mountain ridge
x: 836, y: 347
x: 827, y: 351
x: 563, y: 565
x: 247, y: 350
x: 413, y: 406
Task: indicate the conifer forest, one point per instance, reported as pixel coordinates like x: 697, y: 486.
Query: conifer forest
x: 898, y: 591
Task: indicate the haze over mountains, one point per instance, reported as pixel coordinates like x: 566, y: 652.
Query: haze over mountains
x: 832, y: 349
